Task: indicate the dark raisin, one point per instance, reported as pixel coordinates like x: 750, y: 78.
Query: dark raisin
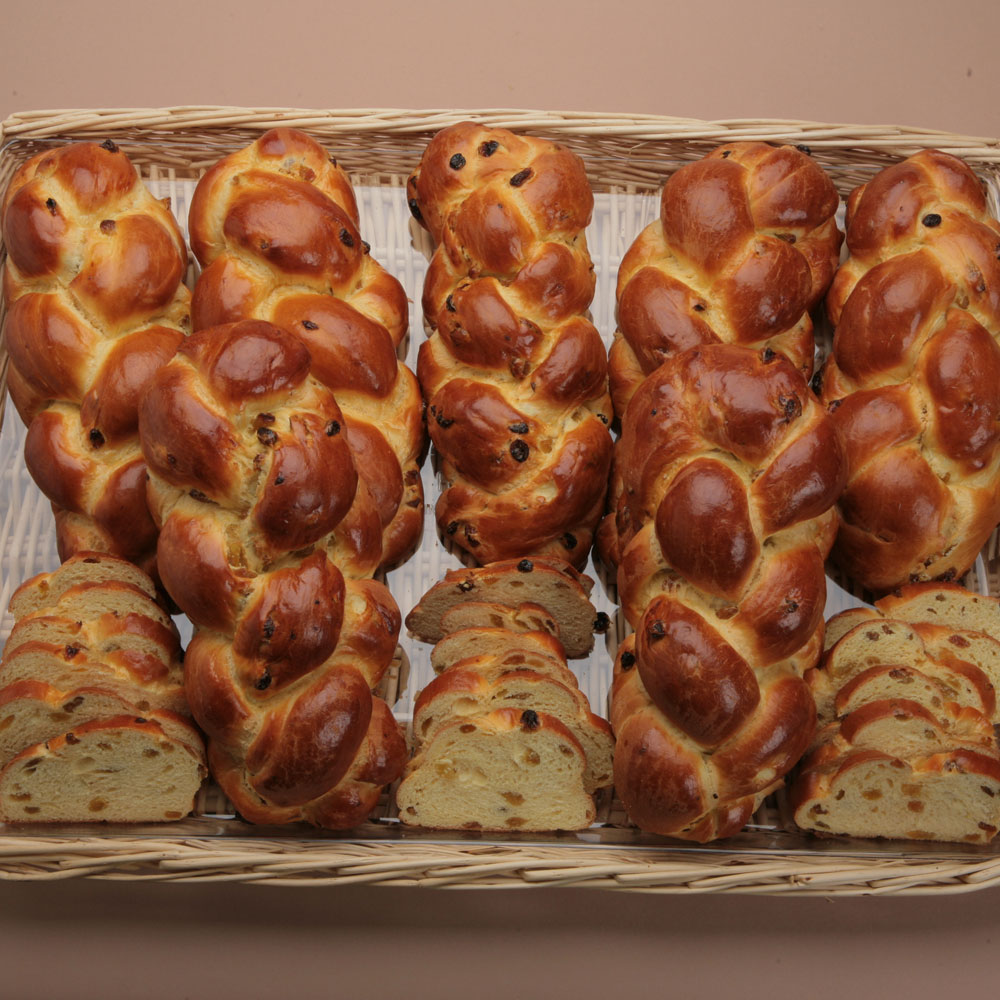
x: 699, y: 307
x: 108, y: 226
x: 466, y: 585
x: 267, y: 418
x: 518, y: 428
x: 569, y: 540
x: 932, y: 220
x: 109, y: 146
x: 415, y: 209
x: 452, y: 528
x: 530, y: 720
x: 171, y: 459
x: 602, y: 622
x: 443, y: 421
x: 278, y: 480
x: 366, y: 246
x: 791, y: 606
x: 96, y: 438
x: 816, y: 382
x: 449, y: 304
x: 310, y: 325
x: 519, y: 450
x: 199, y: 496
x: 50, y: 204
x: 72, y: 740
x: 791, y: 406
x: 489, y: 148
x: 346, y: 238
x: 628, y: 661
x: 471, y: 538
x: 457, y: 162
x: 834, y: 404
x: 787, y: 237
x: 525, y: 566
x: 520, y: 177
x: 73, y: 704
x: 332, y: 429
x: 727, y: 153
x: 263, y: 682
x: 71, y: 651
x: 603, y: 418
x: 266, y: 436
x: 268, y: 628
x: 767, y: 355
x: 803, y: 148
x: 657, y: 630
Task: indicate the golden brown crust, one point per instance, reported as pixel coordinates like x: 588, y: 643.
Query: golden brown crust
x: 745, y: 245
x: 275, y: 226
x: 514, y: 374
x: 93, y: 284
x: 912, y: 381
x: 254, y: 483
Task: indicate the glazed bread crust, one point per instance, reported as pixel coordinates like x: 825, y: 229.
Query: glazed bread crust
x: 276, y: 228
x: 726, y: 472
x: 93, y: 282
x: 913, y: 379
x: 254, y: 485
x: 745, y: 245
x: 514, y: 373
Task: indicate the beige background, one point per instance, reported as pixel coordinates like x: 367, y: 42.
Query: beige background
x: 931, y: 63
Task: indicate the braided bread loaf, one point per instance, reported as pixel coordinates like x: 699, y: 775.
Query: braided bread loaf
x: 275, y: 226
x: 93, y: 281
x: 253, y: 482
x: 914, y: 378
x: 727, y: 468
x: 514, y: 374
x: 745, y: 245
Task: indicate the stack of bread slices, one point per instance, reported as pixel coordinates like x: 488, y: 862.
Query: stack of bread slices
x: 504, y: 738
x: 906, y: 699
x: 93, y: 720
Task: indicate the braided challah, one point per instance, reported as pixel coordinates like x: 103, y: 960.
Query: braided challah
x: 514, y: 374
x: 93, y: 282
x: 253, y: 484
x: 914, y: 378
x: 726, y: 472
x: 275, y: 226
x: 745, y: 244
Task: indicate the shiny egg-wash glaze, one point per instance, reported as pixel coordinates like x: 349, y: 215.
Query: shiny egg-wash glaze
x: 93, y: 282
x: 514, y: 373
x: 745, y: 244
x: 275, y: 226
x: 913, y: 382
x: 727, y: 470
x: 253, y: 482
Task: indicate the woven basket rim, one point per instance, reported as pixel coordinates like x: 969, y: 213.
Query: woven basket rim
x: 284, y: 862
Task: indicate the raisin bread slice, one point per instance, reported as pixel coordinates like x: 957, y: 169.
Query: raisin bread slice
x: 124, y: 769
x: 530, y: 648
x: 525, y: 617
x: 554, y: 585
x: 33, y: 712
x: 952, y: 797
x: 504, y: 771
x: 943, y: 604
x: 475, y: 688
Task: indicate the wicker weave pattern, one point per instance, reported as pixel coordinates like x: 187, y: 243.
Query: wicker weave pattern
x: 628, y: 157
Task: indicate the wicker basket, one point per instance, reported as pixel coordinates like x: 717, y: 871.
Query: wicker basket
x: 628, y: 158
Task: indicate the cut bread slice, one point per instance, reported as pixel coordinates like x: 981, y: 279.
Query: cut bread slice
x: 890, y: 682
x: 525, y: 617
x: 505, y: 771
x: 85, y: 568
x: 887, y: 642
x: 66, y: 668
x: 517, y: 648
x: 840, y: 624
x: 943, y: 604
x: 122, y: 770
x: 953, y: 796
x: 475, y: 689
x: 33, y: 712
x: 554, y: 585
